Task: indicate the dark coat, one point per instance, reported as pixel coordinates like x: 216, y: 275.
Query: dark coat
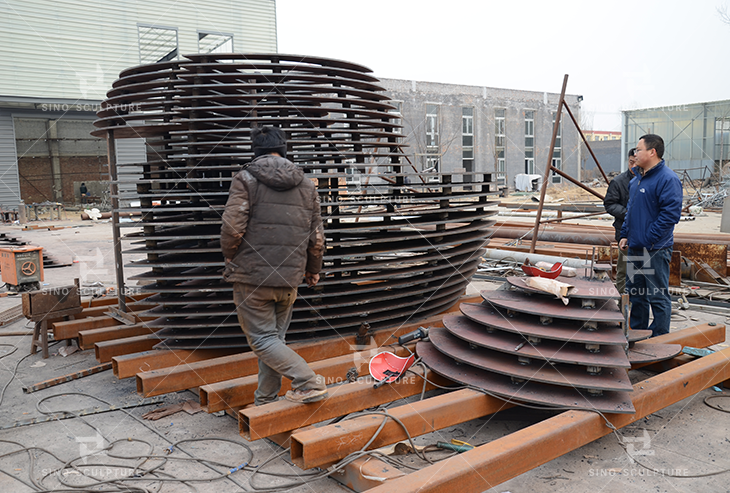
x: 617, y: 198
x: 272, y: 229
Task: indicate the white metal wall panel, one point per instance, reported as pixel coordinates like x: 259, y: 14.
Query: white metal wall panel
x: 9, y: 181
x: 75, y: 49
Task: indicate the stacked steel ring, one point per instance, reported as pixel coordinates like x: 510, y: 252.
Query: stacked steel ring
x: 400, y: 245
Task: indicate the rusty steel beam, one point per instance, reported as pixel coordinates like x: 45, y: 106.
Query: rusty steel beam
x: 67, y: 378
x: 197, y: 374
x: 280, y: 416
x: 111, y: 147
x: 128, y: 365
x: 311, y: 449
x: 243, y: 364
x: 561, y: 219
x: 238, y: 392
x: 584, y: 238
x: 491, y: 464
x: 94, y: 318
x: 87, y: 338
x: 70, y: 329
x: 98, y: 311
x: 315, y: 448
x: 106, y: 350
x: 580, y: 131
x: 700, y: 336
x: 549, y: 166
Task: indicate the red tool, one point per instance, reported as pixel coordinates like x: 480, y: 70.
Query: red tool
x: 386, y: 367
x: 531, y: 270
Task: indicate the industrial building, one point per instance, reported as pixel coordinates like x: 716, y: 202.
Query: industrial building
x: 452, y: 128
x: 696, y: 136
x: 58, y: 60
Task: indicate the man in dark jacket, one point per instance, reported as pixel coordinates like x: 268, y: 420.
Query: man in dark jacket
x: 272, y: 238
x: 617, y: 198
x: 655, y: 206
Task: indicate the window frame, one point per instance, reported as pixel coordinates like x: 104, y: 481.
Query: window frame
x: 146, y: 61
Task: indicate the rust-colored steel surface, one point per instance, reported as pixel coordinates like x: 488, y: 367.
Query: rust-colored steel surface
x: 534, y: 348
x: 546, y: 349
x: 313, y: 448
x: 238, y: 392
x: 715, y: 255
x: 529, y: 391
x: 539, y: 371
x: 529, y: 325
x: 605, y: 310
x: 128, y: 365
x: 491, y: 464
x: 643, y: 352
x: 180, y: 377
x: 401, y: 245
x: 282, y: 415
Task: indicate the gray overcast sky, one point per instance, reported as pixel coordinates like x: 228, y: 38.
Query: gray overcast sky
x: 619, y: 54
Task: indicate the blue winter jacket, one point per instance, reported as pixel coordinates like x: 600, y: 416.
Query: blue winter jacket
x: 655, y: 205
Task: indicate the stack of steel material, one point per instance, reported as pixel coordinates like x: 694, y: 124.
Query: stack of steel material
x: 525, y: 346
x: 400, y: 245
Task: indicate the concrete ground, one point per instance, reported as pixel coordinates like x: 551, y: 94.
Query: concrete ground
x: 686, y: 439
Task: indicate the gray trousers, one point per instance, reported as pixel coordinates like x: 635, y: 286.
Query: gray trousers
x: 264, y: 314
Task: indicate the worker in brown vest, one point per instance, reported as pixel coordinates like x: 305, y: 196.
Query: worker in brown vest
x: 272, y: 239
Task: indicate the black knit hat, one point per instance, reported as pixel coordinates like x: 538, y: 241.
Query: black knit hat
x: 266, y: 140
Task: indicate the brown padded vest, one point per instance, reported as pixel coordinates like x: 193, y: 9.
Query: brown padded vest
x: 280, y: 224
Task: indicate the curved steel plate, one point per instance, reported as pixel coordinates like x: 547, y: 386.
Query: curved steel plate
x: 605, y: 311
x: 529, y: 325
x: 538, y: 371
x: 531, y: 392
x: 555, y: 351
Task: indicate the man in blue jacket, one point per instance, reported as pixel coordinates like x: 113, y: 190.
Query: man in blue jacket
x: 655, y: 206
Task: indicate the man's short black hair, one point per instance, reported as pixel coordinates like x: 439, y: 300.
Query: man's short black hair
x: 632, y: 151
x: 266, y: 140
x: 653, y: 141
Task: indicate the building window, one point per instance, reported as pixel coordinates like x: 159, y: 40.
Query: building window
x: 433, y: 151
x: 467, y: 142
x: 529, y: 142
x: 557, y: 160
x: 157, y: 44
x: 499, y: 138
x: 722, y: 140
x: 215, y: 42
x: 397, y: 115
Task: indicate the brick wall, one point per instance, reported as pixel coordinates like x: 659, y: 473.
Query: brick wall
x: 81, y: 169
x: 36, y: 179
